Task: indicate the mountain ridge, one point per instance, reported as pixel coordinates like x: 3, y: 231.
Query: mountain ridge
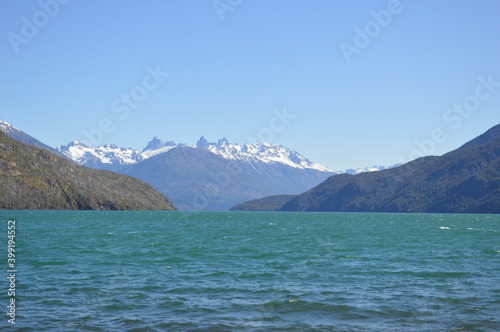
x: 21, y: 136
x: 203, y: 176
x: 489, y: 135
x: 465, y: 180
x: 108, y: 155
x: 269, y: 203
x: 114, y: 155
x: 32, y: 178
x: 265, y: 169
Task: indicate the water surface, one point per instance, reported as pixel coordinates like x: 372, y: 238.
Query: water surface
x: 229, y: 271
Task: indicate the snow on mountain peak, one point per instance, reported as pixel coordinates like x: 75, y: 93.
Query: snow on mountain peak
x: 106, y: 154
x: 156, y: 143
x: 77, y: 143
x: 222, y: 142
x: 7, y: 127
x: 369, y: 169
x: 254, y: 152
x: 265, y: 152
x: 246, y: 152
x: 157, y: 146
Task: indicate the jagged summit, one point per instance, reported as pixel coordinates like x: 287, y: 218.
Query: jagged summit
x: 189, y: 174
x: 77, y: 143
x: 246, y: 152
x: 253, y: 153
x: 222, y: 142
x: 202, y: 143
x: 156, y: 144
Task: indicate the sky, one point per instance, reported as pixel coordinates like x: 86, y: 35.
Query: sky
x: 348, y: 84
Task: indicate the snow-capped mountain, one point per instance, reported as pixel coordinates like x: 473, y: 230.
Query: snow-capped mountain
x: 114, y: 155
x: 204, y: 176
x: 104, y: 154
x: 21, y: 136
x: 157, y: 146
x: 267, y: 153
x: 369, y: 169
x: 207, y: 176
x: 7, y: 127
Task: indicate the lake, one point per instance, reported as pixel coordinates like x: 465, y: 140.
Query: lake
x: 252, y: 271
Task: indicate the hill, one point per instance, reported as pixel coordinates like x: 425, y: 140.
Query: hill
x: 466, y: 180
x: 33, y: 178
x: 22, y: 137
x: 270, y: 203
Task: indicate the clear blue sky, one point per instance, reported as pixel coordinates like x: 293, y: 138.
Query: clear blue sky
x: 226, y: 76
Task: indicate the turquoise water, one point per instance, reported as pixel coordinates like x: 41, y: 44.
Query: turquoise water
x: 225, y: 271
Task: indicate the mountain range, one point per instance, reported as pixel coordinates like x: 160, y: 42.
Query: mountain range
x: 220, y: 175
x: 466, y: 180
x: 208, y: 175
x: 35, y: 178
x: 107, y: 156
x: 204, y: 176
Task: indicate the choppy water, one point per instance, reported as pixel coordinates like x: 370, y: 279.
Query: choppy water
x: 224, y: 271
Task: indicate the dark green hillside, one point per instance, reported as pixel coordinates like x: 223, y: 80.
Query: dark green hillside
x: 466, y: 180
x: 270, y: 203
x: 36, y: 179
